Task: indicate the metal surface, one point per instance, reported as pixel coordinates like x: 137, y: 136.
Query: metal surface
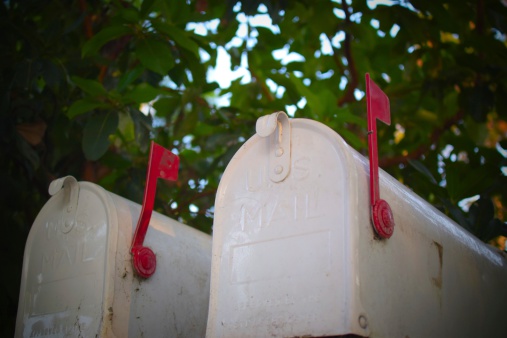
x: 162, y: 164
x: 79, y: 282
x: 299, y: 257
x: 378, y: 108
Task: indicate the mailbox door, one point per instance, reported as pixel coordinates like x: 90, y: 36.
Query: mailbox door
x: 64, y: 280
x: 281, y: 249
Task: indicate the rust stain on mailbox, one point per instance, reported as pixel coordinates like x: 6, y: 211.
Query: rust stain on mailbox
x: 438, y: 280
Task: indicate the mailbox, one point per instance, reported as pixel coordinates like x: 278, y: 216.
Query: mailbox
x: 295, y: 253
x: 78, y: 280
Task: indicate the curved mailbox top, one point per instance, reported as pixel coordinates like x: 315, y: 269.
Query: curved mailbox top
x: 65, y: 263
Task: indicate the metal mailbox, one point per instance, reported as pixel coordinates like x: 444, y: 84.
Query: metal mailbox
x: 295, y: 254
x: 78, y: 280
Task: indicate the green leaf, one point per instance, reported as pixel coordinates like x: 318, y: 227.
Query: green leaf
x: 482, y: 217
x: 126, y: 127
x: 423, y: 170
x: 167, y: 105
x: 30, y: 156
x: 96, y: 134
x: 426, y: 116
x: 482, y: 211
x: 52, y: 73
x: 291, y: 90
x: 179, y: 36
x: 129, y: 14
x: 456, y: 213
x: 93, y: 45
x: 129, y: 77
x: 91, y: 87
x: 477, y: 101
x: 142, y: 128
x: 313, y: 100
x: 196, y: 68
x: 350, y: 138
x: 494, y: 228
x: 144, y: 93
x: 146, y: 7
x: 155, y: 55
x: 203, y: 129
x: 83, y: 106
x: 344, y: 115
x: 463, y: 181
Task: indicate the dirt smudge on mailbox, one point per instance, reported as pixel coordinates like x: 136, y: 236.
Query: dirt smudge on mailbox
x: 437, y: 281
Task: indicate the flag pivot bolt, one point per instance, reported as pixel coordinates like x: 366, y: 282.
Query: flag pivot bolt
x: 144, y: 261
x: 383, y: 220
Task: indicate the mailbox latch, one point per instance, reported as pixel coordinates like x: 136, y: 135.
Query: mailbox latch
x: 280, y: 147
x: 70, y: 188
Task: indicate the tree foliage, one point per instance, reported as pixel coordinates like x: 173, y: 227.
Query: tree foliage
x: 76, y: 77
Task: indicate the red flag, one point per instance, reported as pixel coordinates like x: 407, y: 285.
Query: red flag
x: 163, y: 164
x: 378, y: 108
x: 377, y: 101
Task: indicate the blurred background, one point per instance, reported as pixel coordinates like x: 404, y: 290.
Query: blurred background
x: 85, y: 85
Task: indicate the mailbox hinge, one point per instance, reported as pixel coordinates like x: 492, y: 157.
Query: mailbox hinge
x: 70, y: 188
x: 280, y: 143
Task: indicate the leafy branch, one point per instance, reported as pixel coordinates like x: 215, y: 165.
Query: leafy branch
x: 83, y: 6
x: 423, y: 148
x: 351, y: 65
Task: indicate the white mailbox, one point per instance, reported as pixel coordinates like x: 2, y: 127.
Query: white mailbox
x: 78, y: 280
x: 295, y: 254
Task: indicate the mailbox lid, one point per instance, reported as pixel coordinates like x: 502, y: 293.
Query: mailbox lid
x: 64, y: 277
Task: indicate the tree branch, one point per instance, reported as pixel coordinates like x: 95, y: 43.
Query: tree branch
x: 336, y: 59
x: 185, y: 205
x: 87, y: 19
x: 111, y: 51
x: 479, y: 26
x: 262, y: 84
x: 424, y: 148
x: 351, y: 65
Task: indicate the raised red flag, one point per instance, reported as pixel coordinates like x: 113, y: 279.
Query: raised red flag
x: 377, y: 104
x: 163, y: 164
